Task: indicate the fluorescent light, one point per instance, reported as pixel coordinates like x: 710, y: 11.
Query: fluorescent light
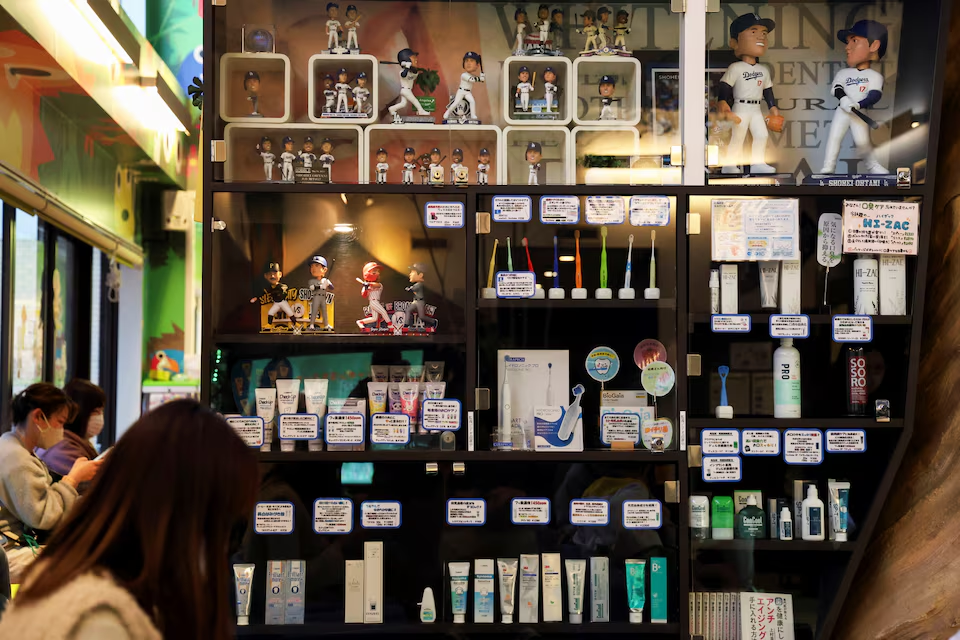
x: 105, y: 18
x: 343, y: 227
x: 549, y: 274
x: 145, y: 105
x: 343, y: 197
x: 73, y: 27
x: 567, y: 258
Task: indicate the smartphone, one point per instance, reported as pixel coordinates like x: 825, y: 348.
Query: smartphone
x: 104, y: 454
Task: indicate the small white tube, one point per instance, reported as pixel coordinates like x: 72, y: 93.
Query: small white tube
x: 529, y: 588
x: 267, y: 410
x: 769, y: 275
x: 288, y: 401
x: 839, y: 493
x: 315, y: 399
x: 243, y: 581
x: 377, y: 393
x: 459, y: 581
x: 552, y: 589
x: 507, y: 574
x: 576, y: 576
x: 600, y: 589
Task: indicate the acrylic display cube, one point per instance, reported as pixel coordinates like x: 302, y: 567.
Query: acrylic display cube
x: 626, y: 107
x: 273, y: 100
x: 604, y: 155
x: 470, y: 139
x: 555, y: 143
x: 323, y: 64
x: 244, y: 163
x: 563, y: 105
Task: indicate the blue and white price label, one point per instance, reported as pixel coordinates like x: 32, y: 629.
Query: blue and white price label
x: 789, y: 326
x: 333, y: 515
x: 443, y: 215
x: 803, y: 446
x: 249, y: 428
x: 273, y: 518
x: 605, y: 210
x: 760, y: 442
x: 442, y: 415
x: 516, y: 284
x: 731, y: 323
x: 720, y: 442
x: 649, y: 211
x: 298, y: 426
x: 559, y: 209
x: 846, y: 440
x: 466, y: 512
x: 642, y: 514
x: 389, y: 428
x: 589, y: 513
x: 344, y: 428
x: 512, y: 208
x: 849, y: 328
x: 721, y: 469
x: 381, y: 514
x: 530, y: 511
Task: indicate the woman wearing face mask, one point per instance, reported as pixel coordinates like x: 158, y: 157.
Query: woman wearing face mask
x: 30, y: 500
x: 87, y: 424
x: 146, y: 554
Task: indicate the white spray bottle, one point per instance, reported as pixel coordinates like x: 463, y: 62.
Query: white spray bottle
x: 572, y: 415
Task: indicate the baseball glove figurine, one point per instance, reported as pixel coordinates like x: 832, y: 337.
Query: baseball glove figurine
x: 774, y: 122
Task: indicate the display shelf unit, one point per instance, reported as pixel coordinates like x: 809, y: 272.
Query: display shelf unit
x: 476, y: 328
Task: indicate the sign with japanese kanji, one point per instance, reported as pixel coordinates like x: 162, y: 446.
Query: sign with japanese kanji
x: 889, y: 227
x: 766, y: 616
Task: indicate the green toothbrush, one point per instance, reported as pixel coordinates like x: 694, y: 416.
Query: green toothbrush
x: 603, y: 258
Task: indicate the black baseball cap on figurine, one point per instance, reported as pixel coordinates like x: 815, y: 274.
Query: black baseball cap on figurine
x: 419, y: 267
x: 409, y: 150
x: 273, y: 267
x: 308, y: 139
x: 484, y: 152
x: 869, y: 29
x: 253, y: 75
x: 535, y: 146
x: 381, y: 150
x: 471, y: 55
x: 607, y: 80
x: 748, y: 20
x: 288, y: 140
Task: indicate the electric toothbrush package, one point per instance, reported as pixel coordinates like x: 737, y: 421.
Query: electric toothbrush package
x: 534, y: 389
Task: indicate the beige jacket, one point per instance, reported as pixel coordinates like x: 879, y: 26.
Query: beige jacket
x: 91, y: 606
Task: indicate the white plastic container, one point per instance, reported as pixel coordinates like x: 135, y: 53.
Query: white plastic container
x: 813, y: 516
x: 866, y: 285
x: 786, y: 380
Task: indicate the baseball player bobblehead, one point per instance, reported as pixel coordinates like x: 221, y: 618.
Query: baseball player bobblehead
x: 329, y: 95
x: 382, y: 166
x: 319, y: 285
x: 543, y: 24
x: 483, y: 167
x: 520, y: 17
x: 606, y: 87
x: 524, y: 87
x: 549, y: 87
x: 353, y: 21
x: 456, y: 165
x: 471, y: 64
x: 333, y: 26
x: 743, y: 87
x: 361, y: 93
x: 372, y: 290
x: 276, y: 293
x: 287, y: 158
x: 533, y: 156
x: 409, y: 165
x: 857, y: 87
x: 265, y: 149
x: 407, y: 58
x: 343, y: 86
x: 307, y: 156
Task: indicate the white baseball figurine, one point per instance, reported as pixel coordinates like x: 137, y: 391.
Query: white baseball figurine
x: 342, y: 88
x: 543, y: 24
x: 534, y: 155
x: 471, y: 63
x: 520, y: 16
x: 286, y: 159
x: 326, y: 157
x: 409, y: 165
x: 329, y: 94
x: 549, y: 87
x: 408, y: 76
x: 857, y: 87
x: 483, y: 168
x: 333, y: 26
x: 264, y: 148
x: 456, y: 163
x: 590, y: 30
x: 524, y: 87
x: 353, y: 21
x: 382, y: 166
x: 361, y: 93
x: 307, y: 156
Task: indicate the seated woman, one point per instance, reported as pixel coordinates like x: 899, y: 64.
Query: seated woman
x: 77, y: 433
x: 30, y: 501
x: 146, y: 554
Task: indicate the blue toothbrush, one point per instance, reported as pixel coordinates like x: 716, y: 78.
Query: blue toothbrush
x: 724, y: 370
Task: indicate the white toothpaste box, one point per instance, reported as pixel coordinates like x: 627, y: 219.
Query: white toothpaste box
x: 537, y: 378
x: 353, y: 592
x: 275, y: 606
x: 372, y: 582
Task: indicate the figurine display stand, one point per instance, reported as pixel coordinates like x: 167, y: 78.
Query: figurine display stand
x: 538, y: 294
x: 605, y: 142
x: 244, y: 164
x: 470, y: 139
x: 556, y: 293
x: 563, y: 103
x: 273, y: 99
x: 603, y: 294
x: 627, y: 294
x: 323, y: 64
x: 579, y: 294
x: 588, y: 71
x: 557, y: 161
x: 488, y: 293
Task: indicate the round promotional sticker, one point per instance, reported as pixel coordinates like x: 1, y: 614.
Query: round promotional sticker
x: 656, y: 434
x: 648, y: 352
x: 658, y: 379
x: 602, y: 364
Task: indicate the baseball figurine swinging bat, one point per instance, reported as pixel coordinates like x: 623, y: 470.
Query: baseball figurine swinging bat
x: 839, y: 93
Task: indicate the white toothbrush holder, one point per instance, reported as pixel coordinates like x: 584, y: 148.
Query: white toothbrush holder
x: 578, y: 294
x: 652, y: 293
x: 603, y: 294
x: 627, y: 294
x: 556, y: 294
x: 488, y: 293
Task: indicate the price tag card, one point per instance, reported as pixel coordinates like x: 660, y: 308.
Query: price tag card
x: 343, y: 428
x: 649, y: 211
x: 849, y: 328
x: 790, y: 326
x: 605, y: 210
x: 889, y: 227
x: 249, y: 428
x: 516, y: 284
x: 731, y: 323
x: 380, y: 514
x: 559, y: 209
x: 721, y: 469
x: 273, y: 518
x: 466, y: 512
x: 803, y: 446
x: 333, y: 515
x: 619, y: 427
x: 589, y: 513
x: 846, y: 441
x: 441, y: 415
x: 642, y: 514
x: 720, y: 441
x: 443, y: 215
x: 298, y: 426
x: 530, y: 511
x: 512, y: 208
x: 760, y: 442
x: 389, y: 428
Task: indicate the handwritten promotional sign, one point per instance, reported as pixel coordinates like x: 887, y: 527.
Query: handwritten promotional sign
x: 589, y: 513
x: 720, y: 441
x: 441, y: 415
x: 721, y: 469
x: 881, y: 227
x: 250, y: 429
x: 789, y: 326
x: 803, y: 446
x: 761, y: 442
x: 730, y: 323
x: 298, y: 426
x: 389, y: 428
x: 642, y: 514
x: 273, y: 518
x: 850, y: 328
x: 619, y: 427
x: 846, y: 440
x: 380, y: 514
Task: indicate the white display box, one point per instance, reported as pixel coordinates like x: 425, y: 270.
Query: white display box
x: 563, y: 102
x: 622, y: 141
x: 555, y: 144
x: 469, y: 138
x: 244, y: 164
x: 275, y: 87
x: 626, y: 72
x: 323, y: 64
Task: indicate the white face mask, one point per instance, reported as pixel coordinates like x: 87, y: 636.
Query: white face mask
x: 94, y: 425
x: 49, y: 435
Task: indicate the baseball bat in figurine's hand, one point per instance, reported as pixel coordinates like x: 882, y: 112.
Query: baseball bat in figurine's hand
x: 840, y: 94
x: 365, y: 284
x: 870, y: 121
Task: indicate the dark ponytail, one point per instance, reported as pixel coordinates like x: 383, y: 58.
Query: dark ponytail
x: 44, y: 396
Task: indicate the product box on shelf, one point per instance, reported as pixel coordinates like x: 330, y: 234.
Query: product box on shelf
x: 537, y: 90
x: 343, y: 88
x: 255, y: 87
x: 420, y: 166
x: 293, y: 153
x: 608, y: 91
x: 537, y: 155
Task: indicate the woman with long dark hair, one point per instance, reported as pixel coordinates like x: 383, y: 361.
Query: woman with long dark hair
x: 86, y: 424
x: 146, y: 553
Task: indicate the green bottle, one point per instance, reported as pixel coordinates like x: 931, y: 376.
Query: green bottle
x: 751, y: 522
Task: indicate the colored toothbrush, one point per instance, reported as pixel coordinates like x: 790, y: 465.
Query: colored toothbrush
x: 526, y: 245
x: 556, y: 265
x: 603, y: 257
x: 626, y: 276
x: 723, y: 370
x: 509, y: 255
x: 653, y: 259
x: 493, y: 264
x: 579, y: 277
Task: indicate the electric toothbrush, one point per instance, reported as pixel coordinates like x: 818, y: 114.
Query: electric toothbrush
x: 506, y: 410
x: 549, y: 384
x: 572, y: 415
